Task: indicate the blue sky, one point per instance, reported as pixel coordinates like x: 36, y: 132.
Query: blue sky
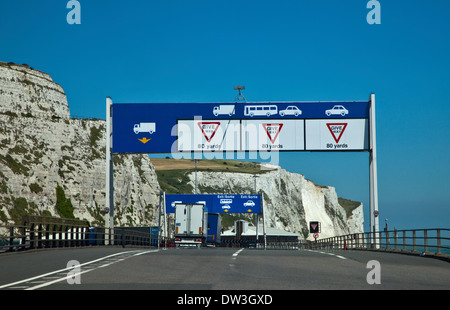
x: 196, y: 51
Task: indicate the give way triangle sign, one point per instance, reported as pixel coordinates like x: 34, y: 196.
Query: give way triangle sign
x: 273, y: 130
x: 208, y: 129
x: 337, y: 129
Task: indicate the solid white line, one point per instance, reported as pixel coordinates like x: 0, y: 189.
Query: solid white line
x: 151, y: 251
x: 65, y: 269
x: 327, y: 253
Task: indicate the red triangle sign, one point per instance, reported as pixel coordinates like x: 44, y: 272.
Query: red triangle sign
x: 273, y: 130
x: 208, y: 129
x: 337, y: 129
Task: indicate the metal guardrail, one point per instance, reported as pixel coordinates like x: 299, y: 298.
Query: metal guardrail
x: 38, y: 232
x: 434, y: 241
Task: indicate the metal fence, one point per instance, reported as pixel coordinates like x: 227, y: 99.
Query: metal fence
x: 38, y: 232
x: 434, y: 241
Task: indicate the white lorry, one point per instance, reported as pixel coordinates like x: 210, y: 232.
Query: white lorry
x: 145, y: 127
x: 191, y: 224
x: 224, y: 110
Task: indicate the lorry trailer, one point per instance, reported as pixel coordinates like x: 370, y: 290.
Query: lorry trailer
x: 191, y: 222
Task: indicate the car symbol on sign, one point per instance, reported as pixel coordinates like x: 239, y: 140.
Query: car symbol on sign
x: 337, y: 109
x: 249, y: 203
x: 291, y: 110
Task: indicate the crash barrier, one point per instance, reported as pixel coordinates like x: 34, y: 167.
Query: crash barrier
x: 37, y: 232
x: 435, y: 241
x: 276, y: 245
x: 302, y: 244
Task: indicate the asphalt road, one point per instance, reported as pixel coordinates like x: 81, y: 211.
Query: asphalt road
x: 219, y: 269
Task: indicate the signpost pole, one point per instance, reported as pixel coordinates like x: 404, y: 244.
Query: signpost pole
x: 109, y: 201
x: 165, y: 222
x: 159, y: 219
x: 374, y: 224
x: 256, y: 218
x: 264, y: 222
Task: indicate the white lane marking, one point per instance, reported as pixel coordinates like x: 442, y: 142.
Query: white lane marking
x: 235, y: 254
x: 65, y: 277
x: 327, y: 253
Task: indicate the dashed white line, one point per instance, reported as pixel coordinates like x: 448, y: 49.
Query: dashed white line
x: 235, y: 254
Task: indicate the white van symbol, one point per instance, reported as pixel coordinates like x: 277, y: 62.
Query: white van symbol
x: 268, y: 110
x: 224, y: 110
x: 144, y: 127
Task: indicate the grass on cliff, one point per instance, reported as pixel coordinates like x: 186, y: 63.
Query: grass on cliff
x: 173, y: 173
x: 348, y: 205
x: 212, y: 165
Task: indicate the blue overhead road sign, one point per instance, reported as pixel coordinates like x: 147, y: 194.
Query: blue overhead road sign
x: 175, y: 127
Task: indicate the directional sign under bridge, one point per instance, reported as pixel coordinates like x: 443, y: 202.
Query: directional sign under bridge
x: 219, y: 203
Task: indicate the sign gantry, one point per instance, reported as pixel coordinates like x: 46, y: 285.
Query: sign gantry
x: 177, y: 128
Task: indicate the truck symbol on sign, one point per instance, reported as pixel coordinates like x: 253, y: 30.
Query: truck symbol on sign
x: 224, y: 110
x: 144, y: 127
x: 337, y: 109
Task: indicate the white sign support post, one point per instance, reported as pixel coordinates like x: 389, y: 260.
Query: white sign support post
x: 374, y: 223
x: 264, y: 222
x: 109, y: 197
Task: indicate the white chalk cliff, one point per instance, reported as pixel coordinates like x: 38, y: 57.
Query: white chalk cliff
x: 290, y: 201
x: 41, y: 147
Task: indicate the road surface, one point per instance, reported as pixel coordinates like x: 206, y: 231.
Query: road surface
x: 218, y: 269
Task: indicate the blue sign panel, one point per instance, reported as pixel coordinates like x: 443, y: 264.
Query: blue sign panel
x: 218, y: 203
x: 155, y: 127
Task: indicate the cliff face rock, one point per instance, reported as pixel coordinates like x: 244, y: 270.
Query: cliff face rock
x: 41, y: 149
x: 290, y: 200
x: 28, y: 92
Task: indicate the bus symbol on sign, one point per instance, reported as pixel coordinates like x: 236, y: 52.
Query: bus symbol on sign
x: 260, y: 110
